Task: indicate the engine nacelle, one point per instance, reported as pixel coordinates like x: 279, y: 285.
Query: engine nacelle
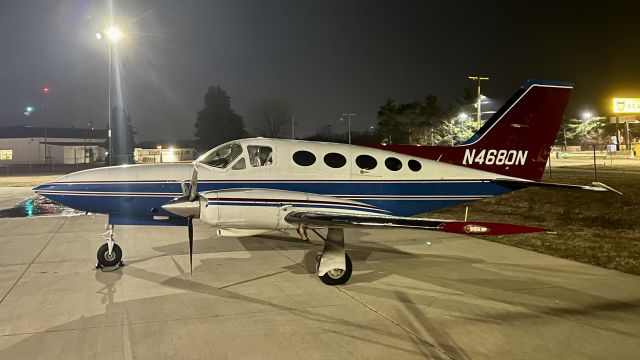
x: 249, y: 208
x: 266, y: 209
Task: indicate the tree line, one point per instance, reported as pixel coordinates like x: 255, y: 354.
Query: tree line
x: 424, y: 122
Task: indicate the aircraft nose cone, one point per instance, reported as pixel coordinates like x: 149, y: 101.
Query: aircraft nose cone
x: 39, y: 188
x: 44, y: 187
x: 183, y: 207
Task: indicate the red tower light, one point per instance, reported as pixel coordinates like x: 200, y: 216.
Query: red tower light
x: 45, y: 90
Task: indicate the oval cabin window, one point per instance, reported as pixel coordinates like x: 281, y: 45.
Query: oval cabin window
x: 366, y: 162
x: 304, y: 158
x: 335, y: 160
x: 415, y: 165
x: 393, y: 164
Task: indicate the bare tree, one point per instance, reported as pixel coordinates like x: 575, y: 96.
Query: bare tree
x: 272, y: 118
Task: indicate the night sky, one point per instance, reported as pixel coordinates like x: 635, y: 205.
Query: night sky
x: 323, y: 57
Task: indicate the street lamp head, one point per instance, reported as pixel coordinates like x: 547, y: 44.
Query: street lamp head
x: 586, y: 115
x: 113, y: 34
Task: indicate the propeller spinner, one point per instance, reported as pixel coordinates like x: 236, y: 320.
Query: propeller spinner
x: 187, y: 205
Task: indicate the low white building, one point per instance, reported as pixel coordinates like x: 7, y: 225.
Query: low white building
x: 161, y: 154
x: 40, y: 145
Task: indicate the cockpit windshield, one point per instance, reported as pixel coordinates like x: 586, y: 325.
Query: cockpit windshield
x: 222, y: 156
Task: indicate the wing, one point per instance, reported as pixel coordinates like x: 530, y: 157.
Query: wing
x: 343, y: 220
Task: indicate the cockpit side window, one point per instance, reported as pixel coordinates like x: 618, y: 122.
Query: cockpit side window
x: 239, y: 165
x: 222, y: 156
x: 260, y: 155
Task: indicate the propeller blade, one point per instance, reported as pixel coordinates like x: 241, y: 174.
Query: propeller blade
x: 190, y: 225
x: 185, y: 188
x: 193, y: 191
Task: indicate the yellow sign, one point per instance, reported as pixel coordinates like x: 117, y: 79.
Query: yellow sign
x: 626, y: 105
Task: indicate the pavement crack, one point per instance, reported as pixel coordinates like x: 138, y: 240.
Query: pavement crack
x: 399, y: 325
x: 32, y: 261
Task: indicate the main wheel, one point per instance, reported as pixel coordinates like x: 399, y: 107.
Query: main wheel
x: 338, y: 276
x: 108, y: 260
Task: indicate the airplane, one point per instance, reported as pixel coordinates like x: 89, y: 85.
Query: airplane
x: 251, y: 186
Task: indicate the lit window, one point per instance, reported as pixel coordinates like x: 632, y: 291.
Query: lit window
x: 6, y: 154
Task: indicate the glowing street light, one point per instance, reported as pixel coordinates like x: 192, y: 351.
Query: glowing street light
x: 586, y: 115
x: 113, y: 34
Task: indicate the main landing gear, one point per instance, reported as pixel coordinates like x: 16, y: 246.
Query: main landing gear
x: 333, y: 266
x: 109, y: 254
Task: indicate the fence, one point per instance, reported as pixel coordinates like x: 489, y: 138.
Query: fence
x: 45, y: 168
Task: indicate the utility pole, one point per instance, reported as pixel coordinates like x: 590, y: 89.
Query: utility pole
x: 479, y: 79
x: 109, y: 113
x: 45, y: 107
x: 349, y: 115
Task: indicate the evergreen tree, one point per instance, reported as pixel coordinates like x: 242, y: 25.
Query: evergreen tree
x: 389, y: 129
x: 217, y: 122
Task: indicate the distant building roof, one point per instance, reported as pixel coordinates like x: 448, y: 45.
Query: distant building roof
x: 21, y: 132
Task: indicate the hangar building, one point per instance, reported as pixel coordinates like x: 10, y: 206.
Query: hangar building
x: 47, y: 145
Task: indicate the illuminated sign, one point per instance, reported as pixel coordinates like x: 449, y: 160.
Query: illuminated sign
x: 626, y: 105
x: 6, y: 154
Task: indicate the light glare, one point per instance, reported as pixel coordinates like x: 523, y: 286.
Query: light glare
x: 114, y: 34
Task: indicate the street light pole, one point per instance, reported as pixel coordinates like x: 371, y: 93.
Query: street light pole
x: 349, y: 115
x: 109, y: 112
x: 479, y: 79
x: 113, y: 35
x: 45, y: 107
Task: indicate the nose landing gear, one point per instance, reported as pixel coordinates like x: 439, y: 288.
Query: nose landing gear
x: 109, y: 254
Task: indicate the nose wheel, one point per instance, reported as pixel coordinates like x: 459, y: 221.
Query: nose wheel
x: 109, y: 259
x: 109, y: 254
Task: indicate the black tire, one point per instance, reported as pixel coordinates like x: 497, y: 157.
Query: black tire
x: 109, y: 261
x: 331, y: 278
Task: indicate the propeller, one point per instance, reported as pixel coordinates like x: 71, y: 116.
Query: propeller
x: 190, y: 227
x: 187, y: 205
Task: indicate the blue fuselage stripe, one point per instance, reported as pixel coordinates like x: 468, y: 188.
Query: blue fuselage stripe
x: 402, y: 198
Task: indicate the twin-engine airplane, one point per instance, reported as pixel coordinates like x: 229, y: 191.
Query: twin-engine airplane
x: 251, y: 186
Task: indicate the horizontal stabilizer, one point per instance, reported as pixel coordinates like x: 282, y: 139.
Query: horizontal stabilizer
x: 521, y: 184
